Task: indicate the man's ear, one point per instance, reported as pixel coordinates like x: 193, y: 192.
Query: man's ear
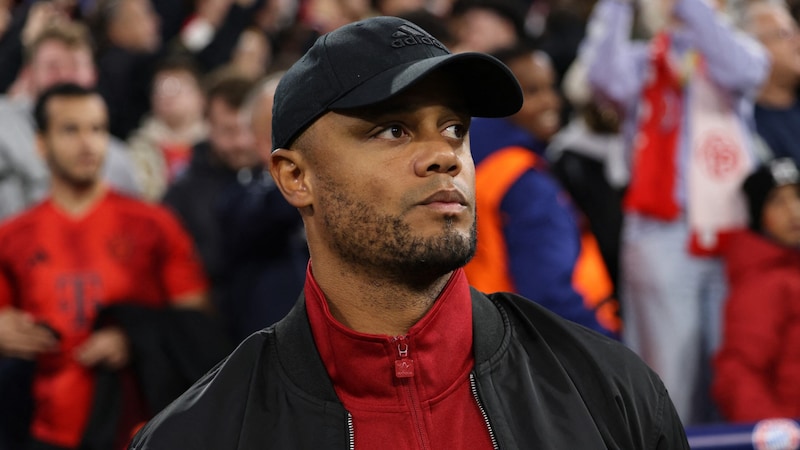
x: 290, y: 171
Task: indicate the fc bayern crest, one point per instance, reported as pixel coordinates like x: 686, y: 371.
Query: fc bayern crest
x: 776, y: 434
x: 720, y: 156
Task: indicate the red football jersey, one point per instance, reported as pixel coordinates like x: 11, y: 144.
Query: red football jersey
x: 63, y: 269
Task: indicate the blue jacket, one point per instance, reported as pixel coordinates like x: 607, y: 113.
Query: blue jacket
x: 541, y: 230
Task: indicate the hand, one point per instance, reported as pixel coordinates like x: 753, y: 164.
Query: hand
x: 107, y: 346
x: 214, y: 11
x: 21, y: 337
x: 41, y: 15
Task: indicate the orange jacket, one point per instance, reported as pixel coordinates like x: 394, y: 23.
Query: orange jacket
x: 489, y: 269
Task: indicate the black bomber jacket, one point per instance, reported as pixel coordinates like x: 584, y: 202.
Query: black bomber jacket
x: 541, y: 381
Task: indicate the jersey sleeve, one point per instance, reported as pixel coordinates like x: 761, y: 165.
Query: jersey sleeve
x: 6, y: 289
x: 181, y: 270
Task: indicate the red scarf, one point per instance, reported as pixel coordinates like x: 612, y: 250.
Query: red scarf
x: 652, y: 188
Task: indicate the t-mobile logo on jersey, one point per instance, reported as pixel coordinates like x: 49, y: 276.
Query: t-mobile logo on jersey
x: 80, y: 295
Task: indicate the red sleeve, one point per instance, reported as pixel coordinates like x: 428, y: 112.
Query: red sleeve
x: 181, y: 270
x: 742, y: 387
x: 6, y: 290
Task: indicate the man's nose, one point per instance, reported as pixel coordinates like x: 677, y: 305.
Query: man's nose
x: 439, y: 155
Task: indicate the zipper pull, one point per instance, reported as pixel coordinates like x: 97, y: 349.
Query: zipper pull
x: 403, y: 366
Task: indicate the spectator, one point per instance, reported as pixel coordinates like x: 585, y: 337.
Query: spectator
x: 227, y: 157
x: 252, y: 55
x: 59, y: 54
x: 487, y: 26
x: 777, y: 111
x: 389, y: 346
x: 214, y: 31
x: 129, y: 47
x: 265, y: 247
x: 530, y: 238
x: 588, y: 157
x: 25, y: 22
x: 162, y: 147
x: 686, y: 99
x: 758, y: 364
x: 84, y: 249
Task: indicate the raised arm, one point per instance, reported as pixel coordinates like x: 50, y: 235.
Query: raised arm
x: 615, y: 64
x: 735, y: 61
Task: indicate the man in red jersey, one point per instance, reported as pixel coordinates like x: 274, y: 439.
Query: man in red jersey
x: 81, y: 250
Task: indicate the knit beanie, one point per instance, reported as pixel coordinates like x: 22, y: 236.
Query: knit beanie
x: 757, y: 186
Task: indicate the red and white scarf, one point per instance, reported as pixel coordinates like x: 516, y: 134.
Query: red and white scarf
x: 718, y: 161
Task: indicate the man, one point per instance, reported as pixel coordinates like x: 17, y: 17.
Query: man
x: 228, y: 157
x: 388, y: 347
x: 686, y: 101
x: 59, y: 54
x: 264, y: 245
x: 777, y: 111
x: 531, y: 243
x: 161, y: 148
x: 81, y: 251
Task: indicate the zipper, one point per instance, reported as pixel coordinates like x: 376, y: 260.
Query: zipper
x: 473, y: 384
x: 404, y: 371
x: 351, y: 436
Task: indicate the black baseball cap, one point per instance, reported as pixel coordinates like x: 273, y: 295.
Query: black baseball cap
x: 372, y: 60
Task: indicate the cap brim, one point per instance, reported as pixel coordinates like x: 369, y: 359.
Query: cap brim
x: 489, y: 87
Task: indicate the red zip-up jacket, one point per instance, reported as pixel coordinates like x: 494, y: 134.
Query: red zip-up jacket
x: 405, y: 392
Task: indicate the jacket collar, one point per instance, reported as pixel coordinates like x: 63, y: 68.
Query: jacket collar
x: 436, y: 351
x: 300, y: 359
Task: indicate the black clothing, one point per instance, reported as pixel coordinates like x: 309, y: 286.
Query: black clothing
x: 123, y: 79
x: 544, y: 383
x: 266, y: 254
x: 194, y: 197
x: 249, y: 238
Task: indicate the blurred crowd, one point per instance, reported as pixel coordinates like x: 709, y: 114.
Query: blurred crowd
x: 648, y: 188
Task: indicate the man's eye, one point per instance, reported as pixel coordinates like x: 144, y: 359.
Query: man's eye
x: 392, y: 132
x: 455, y: 131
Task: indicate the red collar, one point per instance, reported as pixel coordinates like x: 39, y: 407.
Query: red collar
x: 364, y: 368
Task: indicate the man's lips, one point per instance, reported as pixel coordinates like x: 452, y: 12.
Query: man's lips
x: 452, y: 201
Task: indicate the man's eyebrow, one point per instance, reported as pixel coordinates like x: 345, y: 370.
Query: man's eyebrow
x: 381, y: 111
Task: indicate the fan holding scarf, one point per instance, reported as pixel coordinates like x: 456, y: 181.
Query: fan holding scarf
x: 687, y: 99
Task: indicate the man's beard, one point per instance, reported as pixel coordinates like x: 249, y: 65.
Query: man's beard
x: 386, y: 245
x: 76, y: 182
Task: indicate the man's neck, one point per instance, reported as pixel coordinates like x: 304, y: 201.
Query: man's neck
x: 777, y: 95
x: 372, y: 305
x: 75, y: 200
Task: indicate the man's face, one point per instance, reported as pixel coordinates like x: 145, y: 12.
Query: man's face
x: 778, y: 32
x: 75, y: 142
x: 176, y: 98
x: 55, y: 62
x: 780, y: 218
x: 230, y: 136
x: 540, y: 112
x: 393, y: 184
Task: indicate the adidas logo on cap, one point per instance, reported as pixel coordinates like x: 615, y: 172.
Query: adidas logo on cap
x: 408, y: 35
